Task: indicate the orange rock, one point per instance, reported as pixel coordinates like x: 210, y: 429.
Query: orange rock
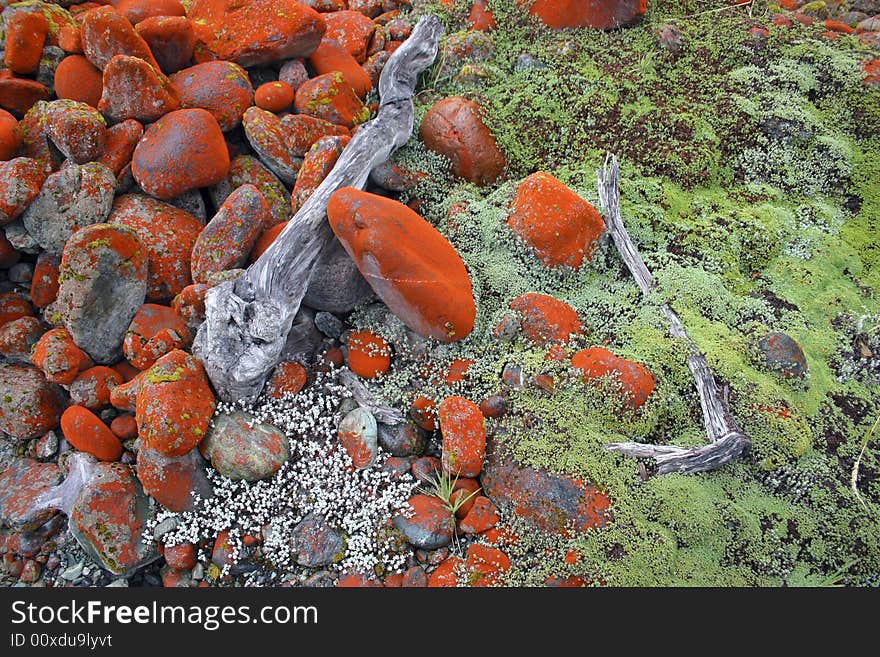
x: 481, y: 16
x: 124, y: 397
x: 10, y: 135
x: 14, y: 306
x: 171, y: 39
x: 464, y: 489
x: 317, y: 165
x: 44, y: 284
x: 453, y: 127
x: 92, y: 387
x: 356, y: 580
x: 70, y: 39
x: 30, y: 405
x: 18, y: 337
x: 264, y: 241
x: 257, y: 32
x: 124, y: 427
x: 288, y: 378
x: 600, y: 14
x: 166, y: 165
x: 172, y: 480
x: 154, y: 332
x: 407, y: 262
x: 301, y: 132
x: 174, y: 404
x: 222, y: 88
x: 457, y: 370
x: 331, y: 98
x: 598, y: 362
x: 464, y: 436
x: 121, y: 141
x: 331, y: 56
x: 446, y: 574
x: 274, y: 96
x: 558, y: 225
x: 545, y: 320
x: 77, y: 129
x: 369, y: 355
x: 18, y: 95
x: 133, y: 89
x: 85, y: 431
x: 481, y: 517
x: 190, y: 304
x: 168, y: 234
x: 58, y: 357
x: 181, y: 556
x: 352, y: 30
x: 25, y: 35
x: 20, y: 182
x: 126, y: 370
x: 424, y: 413
x: 77, y: 79
x: 485, y: 565
x: 106, y: 33
x: 837, y: 26
x: 139, y: 10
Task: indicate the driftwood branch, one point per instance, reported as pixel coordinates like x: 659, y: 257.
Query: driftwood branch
x: 726, y: 440
x: 248, y: 319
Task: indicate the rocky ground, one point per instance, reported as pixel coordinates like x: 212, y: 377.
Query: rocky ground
x: 471, y: 341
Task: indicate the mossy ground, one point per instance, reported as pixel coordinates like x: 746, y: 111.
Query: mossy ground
x: 751, y: 184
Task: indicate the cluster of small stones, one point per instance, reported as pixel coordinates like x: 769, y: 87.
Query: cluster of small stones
x: 318, y: 478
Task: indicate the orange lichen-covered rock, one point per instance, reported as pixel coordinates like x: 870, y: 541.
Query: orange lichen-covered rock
x: 316, y: 166
x: 301, y: 132
x: 558, y: 226
x: 25, y: 35
x: 140, y: 10
x: 464, y: 436
x: 288, y: 378
x: 447, y: 573
x: 257, y: 32
x: 266, y: 135
x: 481, y: 16
x: 14, y: 305
x: 407, y: 262
x: 85, y: 431
x: 481, y: 517
x: 485, y: 565
x: 330, y: 97
x: 453, y: 127
x: 222, y: 88
x: 109, y: 518
x: 124, y: 427
x: 76, y: 78
x: 171, y: 40
x: 133, y: 89
x: 20, y: 182
x: 634, y: 378
x: 464, y: 493
x: 93, y: 386
x: 180, y: 557
x: 10, y: 135
x: 30, y: 405
x: 331, y: 56
x: 165, y: 164
x: 154, y: 332
x: 124, y: 396
x: 44, y: 284
x: 545, y: 320
x: 18, y: 95
x: 21, y: 482
x: 429, y: 525
x: 59, y: 358
x: 107, y: 33
x: 274, y: 96
x: 172, y: 480
x: 168, y: 234
x: 264, y: 241
x: 247, y: 170
x: 600, y: 14
x: 78, y: 130
x: 190, y: 305
x: 369, y: 355
x: 229, y: 237
x: 423, y: 411
x: 18, y: 337
x: 174, y: 404
x: 352, y: 30
x: 121, y: 140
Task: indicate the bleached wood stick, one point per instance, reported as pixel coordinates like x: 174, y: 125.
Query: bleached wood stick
x: 248, y: 319
x: 726, y: 440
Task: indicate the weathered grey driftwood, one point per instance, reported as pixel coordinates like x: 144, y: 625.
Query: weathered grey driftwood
x: 726, y: 440
x: 248, y: 319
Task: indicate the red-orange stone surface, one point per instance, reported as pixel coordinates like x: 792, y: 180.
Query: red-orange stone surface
x: 78, y: 79
x: 407, y: 262
x: 124, y: 427
x: 183, y: 150
x: 446, y: 574
x: 25, y: 35
x: 91, y: 388
x: 330, y: 97
x: 369, y: 355
x: 222, y: 88
x: 20, y: 182
x: 154, y: 331
x: 424, y: 413
x: 481, y: 16
x: 139, y: 10
x: 331, y: 56
x: 18, y: 95
x: 181, y: 557
x: 453, y: 128
x: 77, y: 129
x: 274, y: 96
x: 482, y: 516
x: 30, y: 405
x: 22, y: 481
x: 121, y: 140
x: 257, y: 32
x: 59, y: 358
x: 545, y: 320
x: 85, y: 431
x: 316, y: 166
x: 172, y: 480
x: 429, y: 525
x: 352, y: 30
x: 10, y: 135
x: 485, y: 565
x: 558, y: 225
x: 18, y: 337
x: 288, y: 378
x: 601, y: 14
x: 464, y: 492
x: 264, y: 241
x: 301, y: 132
x: 171, y: 39
x: 14, y: 305
x: 135, y: 90
x: 168, y: 234
x: 174, y: 404
x: 106, y: 33
x: 598, y: 362
x: 464, y: 436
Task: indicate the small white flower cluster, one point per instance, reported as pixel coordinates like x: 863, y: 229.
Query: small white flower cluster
x: 318, y: 478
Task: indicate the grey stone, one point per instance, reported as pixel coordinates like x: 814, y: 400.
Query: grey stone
x: 336, y: 285
x: 304, y: 339
x: 328, y: 324
x: 316, y: 543
x: 404, y: 439
x: 21, y: 272
x: 239, y: 447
